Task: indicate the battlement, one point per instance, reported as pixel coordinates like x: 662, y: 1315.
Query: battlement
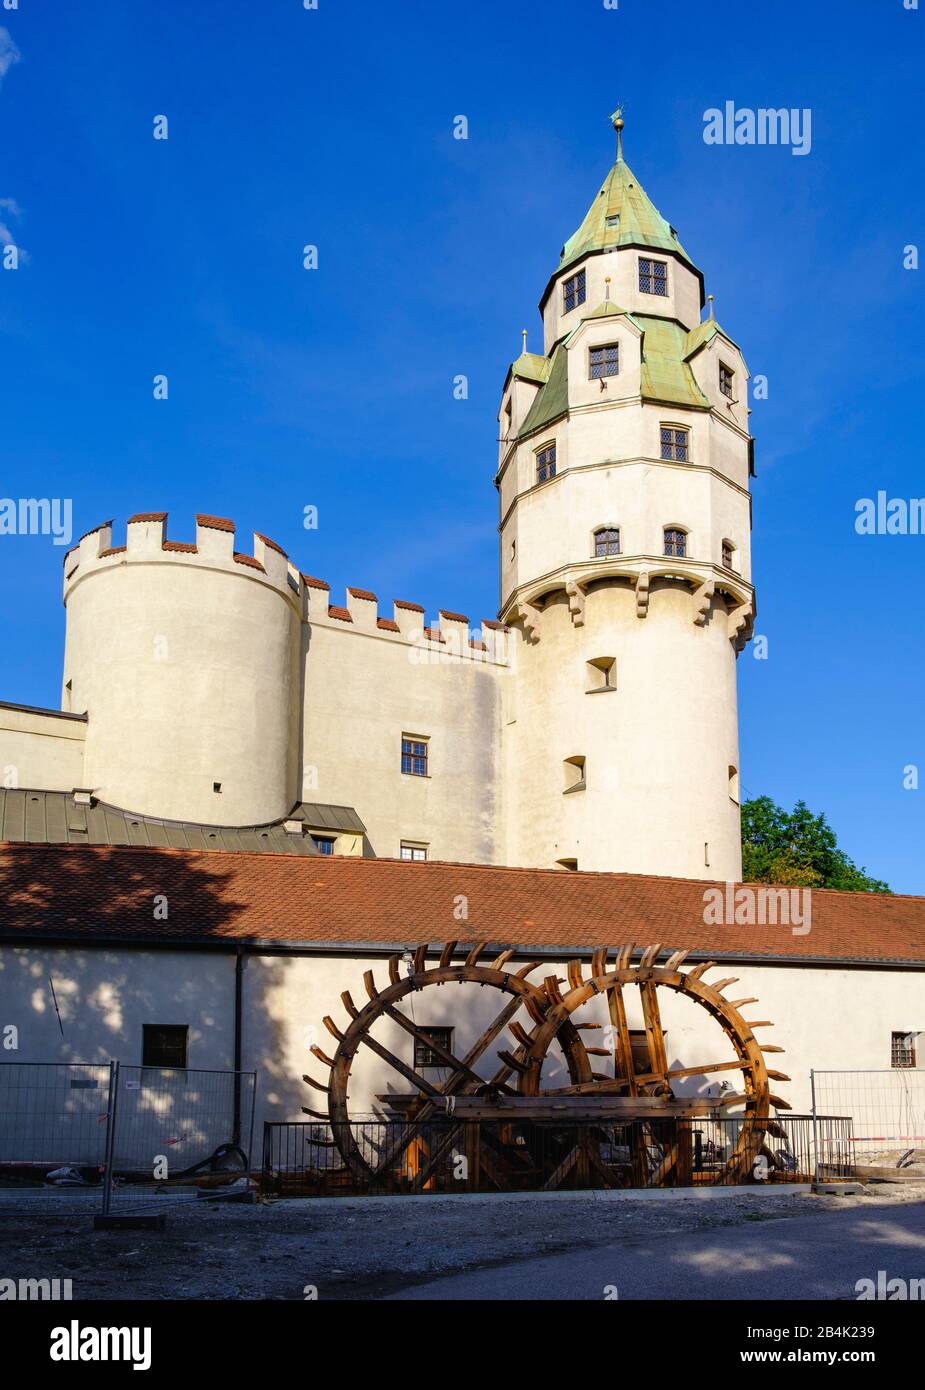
x: 213, y: 548
x: 451, y: 637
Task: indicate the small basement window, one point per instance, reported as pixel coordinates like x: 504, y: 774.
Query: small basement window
x: 425, y: 1056
x: 902, y: 1050
x: 602, y: 674
x: 164, y: 1044
x: 575, y: 774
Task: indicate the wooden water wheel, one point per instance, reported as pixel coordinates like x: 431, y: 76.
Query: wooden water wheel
x: 516, y: 1128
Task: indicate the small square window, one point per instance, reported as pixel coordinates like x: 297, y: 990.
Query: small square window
x: 414, y: 853
x: 425, y: 1056
x: 573, y: 291
x: 216, y: 786
x: 675, y: 444
x: 324, y: 844
x: 728, y: 555
x: 676, y: 543
x: 605, y: 361
x: 164, y: 1044
x: 726, y: 379
x: 653, y: 277
x: 546, y: 463
x: 903, y: 1050
x: 413, y: 756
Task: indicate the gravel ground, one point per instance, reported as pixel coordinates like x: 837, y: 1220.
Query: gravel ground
x: 365, y: 1248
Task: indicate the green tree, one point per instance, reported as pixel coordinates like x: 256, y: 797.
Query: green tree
x: 797, y: 848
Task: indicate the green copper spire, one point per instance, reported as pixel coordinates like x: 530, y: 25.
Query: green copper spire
x: 622, y: 214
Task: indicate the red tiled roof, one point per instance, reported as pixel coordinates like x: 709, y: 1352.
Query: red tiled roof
x: 433, y: 634
x: 314, y: 583
x: 249, y: 560
x: 453, y: 617
x: 93, y: 530
x: 342, y: 614
x: 272, y: 544
x: 417, y: 607
x: 498, y: 627
x: 214, y: 523
x: 113, y: 550
x: 389, y: 624
x: 93, y: 892
x: 147, y: 516
x: 363, y: 593
x: 186, y: 546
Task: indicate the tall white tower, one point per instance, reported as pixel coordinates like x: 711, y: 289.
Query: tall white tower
x: 623, y: 479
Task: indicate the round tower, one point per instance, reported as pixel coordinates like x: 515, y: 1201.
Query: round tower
x: 185, y: 658
x: 624, y: 467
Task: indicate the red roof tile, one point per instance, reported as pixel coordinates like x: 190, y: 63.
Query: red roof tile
x: 249, y: 560
x: 343, y: 615
x: 214, y: 523
x: 272, y: 544
x: 498, y: 627
x: 90, y: 892
x: 363, y: 593
x: 417, y: 607
x: 389, y: 624
x: 147, y: 516
x: 186, y: 546
x: 113, y: 550
x: 453, y: 617
x: 314, y: 583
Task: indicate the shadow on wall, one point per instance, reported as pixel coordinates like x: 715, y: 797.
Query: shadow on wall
x: 77, y: 1002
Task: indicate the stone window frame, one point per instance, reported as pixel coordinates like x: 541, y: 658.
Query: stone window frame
x: 653, y: 277
x: 574, y: 287
x: 676, y: 427
x: 606, y: 526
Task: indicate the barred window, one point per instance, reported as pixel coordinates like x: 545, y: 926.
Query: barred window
x: 425, y: 1056
x: 675, y: 444
x: 164, y: 1044
x: 653, y: 276
x: 726, y: 379
x: 413, y: 756
x: 675, y: 542
x: 903, y: 1050
x: 607, y: 540
x: 546, y: 463
x: 605, y: 361
x: 573, y: 291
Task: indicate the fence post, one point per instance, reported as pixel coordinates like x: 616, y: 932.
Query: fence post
x: 812, y: 1084
x: 110, y: 1134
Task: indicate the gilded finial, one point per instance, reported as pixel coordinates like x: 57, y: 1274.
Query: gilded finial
x: 616, y: 120
x: 523, y: 334
x: 710, y: 302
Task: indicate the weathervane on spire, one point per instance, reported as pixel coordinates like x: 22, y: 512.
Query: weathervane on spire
x: 616, y: 120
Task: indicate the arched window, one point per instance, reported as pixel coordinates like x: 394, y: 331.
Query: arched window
x: 607, y: 541
x: 729, y: 555
x: 675, y: 542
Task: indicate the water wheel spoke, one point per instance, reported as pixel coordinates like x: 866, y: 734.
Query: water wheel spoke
x: 623, y: 1065
x: 655, y: 1037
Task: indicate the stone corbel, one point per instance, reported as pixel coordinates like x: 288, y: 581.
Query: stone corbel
x: 642, y: 594
x: 576, y: 603
x: 740, y: 624
x: 530, y: 615
x: 701, y: 600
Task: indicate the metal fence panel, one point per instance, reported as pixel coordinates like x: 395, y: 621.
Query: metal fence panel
x: 302, y: 1158
x: 887, y: 1107
x: 52, y: 1121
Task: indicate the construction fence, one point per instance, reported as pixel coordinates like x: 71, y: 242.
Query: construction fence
x: 110, y: 1137
x: 888, y: 1112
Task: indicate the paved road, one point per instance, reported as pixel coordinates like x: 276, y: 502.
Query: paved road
x: 820, y: 1256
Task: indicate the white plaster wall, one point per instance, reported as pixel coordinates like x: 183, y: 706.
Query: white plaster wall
x: 41, y: 751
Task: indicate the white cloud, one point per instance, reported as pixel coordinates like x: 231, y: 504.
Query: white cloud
x: 9, y: 53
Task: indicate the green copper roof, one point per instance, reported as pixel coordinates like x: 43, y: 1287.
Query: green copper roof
x: 551, y: 400
x: 704, y: 333
x: 530, y: 366
x: 622, y: 214
x: 606, y: 310
x: 666, y: 375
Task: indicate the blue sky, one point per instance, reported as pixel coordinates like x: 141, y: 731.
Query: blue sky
x: 334, y: 387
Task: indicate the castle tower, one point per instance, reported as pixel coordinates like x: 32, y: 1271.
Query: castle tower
x: 186, y: 659
x: 623, y: 479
